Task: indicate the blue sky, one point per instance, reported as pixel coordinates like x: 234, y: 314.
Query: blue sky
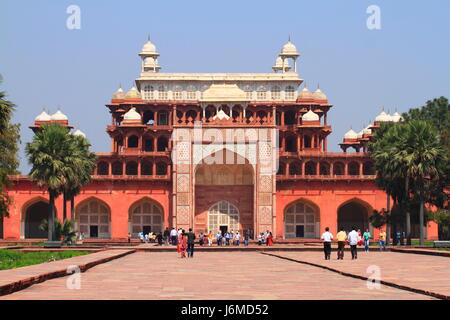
x: 44, y: 64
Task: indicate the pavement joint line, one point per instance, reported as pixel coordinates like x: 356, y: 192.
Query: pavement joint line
x: 28, y: 282
x: 351, y: 275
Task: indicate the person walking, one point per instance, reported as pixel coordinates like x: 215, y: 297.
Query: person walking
x: 270, y: 239
x: 366, y: 237
x: 190, y: 243
x: 166, y: 236
x: 341, y: 238
x: 382, y: 240
x: 219, y: 238
x: 181, y: 244
x: 237, y: 238
x: 210, y: 238
x: 159, y: 237
x: 173, y: 237
x: 129, y: 237
x: 353, y: 239
x: 246, y: 237
x: 200, y: 239
x: 260, y: 239
x: 327, y: 237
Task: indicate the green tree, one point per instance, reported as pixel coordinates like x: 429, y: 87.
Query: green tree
x: 53, y: 157
x: 9, y: 140
x: 64, y: 231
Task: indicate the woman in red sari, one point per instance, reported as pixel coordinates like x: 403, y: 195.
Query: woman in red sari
x: 270, y: 239
x: 182, y: 244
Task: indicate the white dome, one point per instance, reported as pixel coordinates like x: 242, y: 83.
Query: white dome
x: 310, y: 116
x: 149, y: 48
x: 383, y: 117
x: 58, y: 115
x: 132, y: 115
x: 319, y: 95
x: 351, y: 134
x: 150, y: 62
x: 367, y: 130
x: 305, y: 94
x: 133, y: 93
x: 119, y: 94
x: 289, y: 49
x: 396, y: 117
x: 43, y: 116
x: 360, y: 134
x: 78, y: 132
x: 279, y: 64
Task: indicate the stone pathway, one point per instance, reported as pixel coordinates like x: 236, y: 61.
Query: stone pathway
x: 212, y: 275
x: 424, y: 272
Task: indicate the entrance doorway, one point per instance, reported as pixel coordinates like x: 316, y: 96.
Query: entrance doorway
x: 34, y: 216
x: 223, y: 216
x: 93, y: 231
x: 299, y: 231
x: 223, y: 229
x: 146, y: 229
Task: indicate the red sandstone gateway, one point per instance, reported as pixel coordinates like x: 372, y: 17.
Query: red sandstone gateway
x: 216, y: 152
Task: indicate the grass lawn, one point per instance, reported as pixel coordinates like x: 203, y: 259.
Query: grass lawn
x: 444, y: 249
x: 10, y: 259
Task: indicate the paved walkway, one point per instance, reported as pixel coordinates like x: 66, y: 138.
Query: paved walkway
x: 424, y: 272
x: 12, y: 279
x: 211, y: 275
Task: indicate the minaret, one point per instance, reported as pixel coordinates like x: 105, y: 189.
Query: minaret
x: 149, y: 57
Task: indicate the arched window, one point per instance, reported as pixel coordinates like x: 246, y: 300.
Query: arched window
x: 148, y: 144
x: 307, y: 140
x: 261, y: 116
x: 93, y: 219
x: 163, y: 118
x: 131, y: 168
x: 338, y: 168
x: 161, y: 169
x: 102, y: 168
x: 223, y: 214
x: 177, y: 93
x: 324, y: 169
x: 261, y: 93
x: 146, y: 168
x: 148, y: 92
x: 310, y: 168
x: 278, y: 119
x: 190, y: 116
x: 191, y: 94
x: 162, y: 144
x: 295, y: 168
x: 281, y: 168
x: 275, y: 93
x: 133, y: 141
x: 301, y: 220
x: 117, y: 168
x: 162, y: 93
x: 368, y: 168
x: 290, y: 93
x: 353, y: 168
x: 149, y: 117
x: 146, y: 217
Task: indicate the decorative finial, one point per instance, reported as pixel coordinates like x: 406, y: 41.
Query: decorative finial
x: 148, y: 37
x: 289, y: 38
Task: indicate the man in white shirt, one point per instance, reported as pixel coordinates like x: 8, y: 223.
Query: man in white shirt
x: 173, y: 236
x: 327, y: 237
x: 353, y: 239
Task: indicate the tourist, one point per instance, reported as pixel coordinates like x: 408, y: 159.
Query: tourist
x: 366, y: 237
x: 219, y: 238
x: 129, y: 237
x: 173, y: 237
x: 382, y: 240
x: 237, y: 239
x: 353, y: 239
x: 210, y: 238
x: 227, y: 238
x: 246, y: 237
x: 166, y: 236
x: 160, y: 239
x: 205, y: 238
x: 182, y: 246
x: 341, y: 238
x: 260, y: 239
x: 360, y: 242
x: 327, y: 237
x: 270, y: 239
x: 190, y: 243
x: 200, y: 239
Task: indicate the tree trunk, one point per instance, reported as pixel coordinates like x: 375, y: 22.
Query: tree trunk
x: 421, y: 221
x: 64, y: 207
x: 51, y: 218
x: 408, y: 214
x: 388, y: 223
x: 72, y: 207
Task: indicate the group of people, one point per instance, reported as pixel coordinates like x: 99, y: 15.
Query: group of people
x: 150, y: 237
x: 352, y: 238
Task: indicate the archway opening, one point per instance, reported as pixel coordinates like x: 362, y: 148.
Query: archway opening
x: 93, y: 219
x: 145, y: 216
x: 34, y: 215
x: 353, y: 214
x: 301, y: 220
x: 223, y: 216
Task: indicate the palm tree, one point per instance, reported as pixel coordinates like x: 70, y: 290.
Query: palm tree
x: 53, y: 158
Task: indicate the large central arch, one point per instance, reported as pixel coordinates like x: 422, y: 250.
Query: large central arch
x: 145, y: 216
x: 354, y: 213
x: 93, y: 218
x: 224, y: 194
x: 33, y: 216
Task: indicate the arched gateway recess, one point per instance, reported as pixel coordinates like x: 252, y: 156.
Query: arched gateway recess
x: 145, y: 216
x: 301, y: 220
x: 223, y: 216
x: 353, y: 214
x: 34, y: 215
x: 94, y: 219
